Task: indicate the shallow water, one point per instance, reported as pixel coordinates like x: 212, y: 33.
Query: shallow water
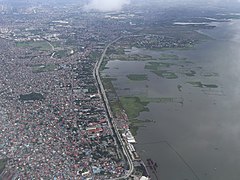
x: 199, y: 137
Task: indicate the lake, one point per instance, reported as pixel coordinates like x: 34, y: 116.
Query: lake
x: 197, y: 136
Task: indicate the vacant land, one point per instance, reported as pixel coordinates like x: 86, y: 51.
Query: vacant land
x: 31, y: 97
x: 3, y: 163
x: 35, y: 45
x: 44, y: 68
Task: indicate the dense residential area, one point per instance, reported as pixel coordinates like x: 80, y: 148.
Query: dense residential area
x: 54, y: 124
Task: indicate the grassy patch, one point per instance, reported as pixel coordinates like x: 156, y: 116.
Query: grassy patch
x: 94, y: 55
x: 210, y: 85
x: 196, y: 84
x: 107, y: 83
x: 158, y: 100
x: 35, y: 45
x: 211, y: 74
x: 61, y: 54
x: 201, y: 85
x: 114, y: 50
x: 134, y: 126
x: 137, y: 77
x: 190, y: 73
x: 168, y: 57
x: 116, y: 107
x: 31, y: 97
x: 133, y: 106
x: 3, y: 163
x: 44, y: 68
x: 103, y: 65
x: 131, y: 57
x: 157, y: 65
x: 165, y: 74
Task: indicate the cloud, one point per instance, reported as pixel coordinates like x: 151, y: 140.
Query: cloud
x: 106, y: 5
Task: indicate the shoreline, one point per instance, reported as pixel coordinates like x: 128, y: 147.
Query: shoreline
x: 115, y: 131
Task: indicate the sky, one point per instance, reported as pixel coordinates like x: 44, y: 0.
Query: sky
x: 106, y: 5
x: 115, y: 5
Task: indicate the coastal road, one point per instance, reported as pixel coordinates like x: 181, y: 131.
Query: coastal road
x: 109, y: 112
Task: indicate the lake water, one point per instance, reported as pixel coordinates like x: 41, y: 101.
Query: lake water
x: 198, y: 135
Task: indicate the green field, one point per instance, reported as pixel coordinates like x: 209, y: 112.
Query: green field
x: 133, y: 106
x: 61, y: 54
x: 36, y: 45
x: 3, y: 163
x: 137, y: 77
x: 44, y: 68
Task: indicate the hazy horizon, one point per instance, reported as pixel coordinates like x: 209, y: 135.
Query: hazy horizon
x: 116, y: 5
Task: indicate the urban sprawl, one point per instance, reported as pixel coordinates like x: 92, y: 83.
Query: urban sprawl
x: 54, y: 119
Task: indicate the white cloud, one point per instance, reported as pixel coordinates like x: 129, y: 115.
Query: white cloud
x: 106, y: 5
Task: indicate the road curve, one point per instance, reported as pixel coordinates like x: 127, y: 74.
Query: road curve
x: 109, y: 112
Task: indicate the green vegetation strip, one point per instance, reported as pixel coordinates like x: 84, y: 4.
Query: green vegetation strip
x: 137, y: 77
x: 3, y: 163
x: 158, y: 100
x: 165, y: 74
x: 103, y: 65
x: 107, y: 83
x: 201, y: 85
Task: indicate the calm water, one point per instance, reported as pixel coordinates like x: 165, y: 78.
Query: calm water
x: 200, y: 137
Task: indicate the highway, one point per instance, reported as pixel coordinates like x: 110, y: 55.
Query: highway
x: 109, y: 112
